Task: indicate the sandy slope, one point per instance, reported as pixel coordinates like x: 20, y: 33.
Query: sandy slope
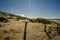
x: 14, y: 30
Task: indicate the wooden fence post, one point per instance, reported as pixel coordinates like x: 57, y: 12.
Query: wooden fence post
x: 45, y: 28
x: 46, y: 31
x: 25, y: 31
x: 57, y: 26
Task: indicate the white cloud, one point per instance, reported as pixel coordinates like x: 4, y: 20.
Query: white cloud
x: 20, y: 14
x: 36, y: 17
x: 24, y: 15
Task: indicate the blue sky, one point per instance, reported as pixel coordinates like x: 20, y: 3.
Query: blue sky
x: 32, y: 8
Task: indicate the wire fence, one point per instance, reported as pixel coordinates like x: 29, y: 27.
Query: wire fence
x: 47, y: 33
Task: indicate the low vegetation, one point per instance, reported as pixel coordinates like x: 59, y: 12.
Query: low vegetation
x: 12, y: 28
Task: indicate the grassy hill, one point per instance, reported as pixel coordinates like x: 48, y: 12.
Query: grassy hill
x: 8, y: 17
x: 12, y: 28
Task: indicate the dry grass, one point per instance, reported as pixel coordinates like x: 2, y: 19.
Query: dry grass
x: 13, y: 29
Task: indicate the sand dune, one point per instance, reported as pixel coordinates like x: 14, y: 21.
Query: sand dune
x: 12, y: 28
